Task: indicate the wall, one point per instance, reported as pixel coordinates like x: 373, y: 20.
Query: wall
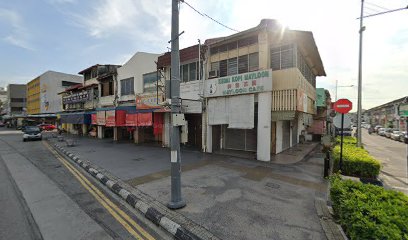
x: 138, y: 65
x: 33, y: 96
x: 279, y: 137
x: 51, y: 85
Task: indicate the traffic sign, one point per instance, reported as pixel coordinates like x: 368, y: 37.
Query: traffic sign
x: 403, y: 110
x: 343, y: 106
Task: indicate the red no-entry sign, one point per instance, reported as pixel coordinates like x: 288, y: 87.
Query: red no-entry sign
x: 343, y: 106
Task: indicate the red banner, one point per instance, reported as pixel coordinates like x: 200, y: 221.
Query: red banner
x: 110, y: 118
x: 93, y: 119
x: 100, y: 118
x: 158, y: 123
x: 120, y: 118
x: 131, y: 120
x: 144, y: 119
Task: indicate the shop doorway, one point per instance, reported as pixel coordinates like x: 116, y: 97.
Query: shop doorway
x: 194, y: 130
x: 273, y: 138
x: 285, y: 135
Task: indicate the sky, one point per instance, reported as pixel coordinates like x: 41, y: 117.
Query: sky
x: 71, y: 35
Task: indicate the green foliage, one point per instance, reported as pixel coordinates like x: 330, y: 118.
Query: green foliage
x: 356, y: 161
x: 347, y: 140
x: 367, y: 211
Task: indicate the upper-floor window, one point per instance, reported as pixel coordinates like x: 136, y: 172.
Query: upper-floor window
x: 149, y: 82
x: 127, y: 86
x: 236, y: 65
x: 234, y: 45
x: 189, y: 71
x: 107, y: 88
x: 288, y: 56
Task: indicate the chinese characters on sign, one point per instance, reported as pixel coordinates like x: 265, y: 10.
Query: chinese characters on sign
x: 253, y: 82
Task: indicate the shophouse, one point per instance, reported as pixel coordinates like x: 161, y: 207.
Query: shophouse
x: 15, y: 105
x: 80, y: 102
x: 322, y: 118
x: 261, y: 89
x: 139, y: 92
x: 386, y: 115
x: 191, y: 92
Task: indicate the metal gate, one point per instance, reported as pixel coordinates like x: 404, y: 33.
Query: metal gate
x: 240, y: 139
x: 285, y: 135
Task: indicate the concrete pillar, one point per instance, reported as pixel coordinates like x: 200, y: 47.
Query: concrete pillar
x: 115, y: 134
x: 263, y: 148
x: 100, y: 132
x: 135, y: 136
x: 84, y: 129
x: 209, y: 138
x: 279, y: 137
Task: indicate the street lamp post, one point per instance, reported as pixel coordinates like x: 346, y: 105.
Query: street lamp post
x: 340, y: 87
x: 360, y: 59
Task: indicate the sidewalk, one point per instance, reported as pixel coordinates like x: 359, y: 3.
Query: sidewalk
x: 43, y: 198
x: 234, y: 198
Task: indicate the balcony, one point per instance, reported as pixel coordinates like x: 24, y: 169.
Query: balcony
x: 284, y: 100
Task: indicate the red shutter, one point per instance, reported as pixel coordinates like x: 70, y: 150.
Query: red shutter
x: 158, y: 123
x: 93, y: 119
x: 120, y: 118
x: 144, y: 119
x: 131, y: 120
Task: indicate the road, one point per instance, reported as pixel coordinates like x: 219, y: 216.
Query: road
x: 44, y: 196
x: 393, y: 156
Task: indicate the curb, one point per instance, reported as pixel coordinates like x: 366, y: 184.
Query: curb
x: 151, y: 213
x: 332, y: 230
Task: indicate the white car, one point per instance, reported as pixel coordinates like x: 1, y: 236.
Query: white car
x: 396, y: 135
x: 32, y: 133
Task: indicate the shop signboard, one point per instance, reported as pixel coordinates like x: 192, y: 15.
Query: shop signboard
x: 76, y: 97
x: 94, y: 119
x: 246, y: 83
x: 100, y: 118
x: 149, y: 101
x: 110, y: 118
x: 403, y: 110
x: 131, y: 119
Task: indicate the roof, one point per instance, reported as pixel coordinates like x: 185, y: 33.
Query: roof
x: 96, y: 65
x: 397, y: 101
x: 186, y: 54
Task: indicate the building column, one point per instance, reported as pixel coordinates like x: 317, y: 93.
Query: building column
x: 263, y: 151
x: 100, y: 132
x: 115, y: 133
x: 209, y: 138
x: 84, y: 129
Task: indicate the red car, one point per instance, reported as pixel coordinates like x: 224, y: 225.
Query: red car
x: 46, y: 127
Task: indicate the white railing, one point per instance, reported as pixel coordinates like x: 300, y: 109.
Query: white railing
x: 284, y: 100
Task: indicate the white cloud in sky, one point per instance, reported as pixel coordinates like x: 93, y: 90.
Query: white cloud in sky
x: 18, y: 34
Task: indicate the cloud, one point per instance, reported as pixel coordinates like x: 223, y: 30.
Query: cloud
x: 18, y: 34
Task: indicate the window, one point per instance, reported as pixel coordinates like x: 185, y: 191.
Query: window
x: 253, y: 62
x: 189, y: 72
x: 149, y: 82
x: 243, y: 64
x: 184, y: 74
x: 223, y: 68
x: 193, y: 71
x: 127, y: 86
x: 68, y: 84
x: 232, y: 66
x: 283, y: 57
x: 215, y: 66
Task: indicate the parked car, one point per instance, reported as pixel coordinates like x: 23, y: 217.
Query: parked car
x: 376, y: 128
x: 2, y: 124
x: 404, y: 137
x: 381, y: 131
x: 395, y: 135
x: 388, y: 132
x: 32, y: 133
x: 46, y: 127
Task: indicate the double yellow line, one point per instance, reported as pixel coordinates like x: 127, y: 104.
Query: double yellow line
x: 127, y: 222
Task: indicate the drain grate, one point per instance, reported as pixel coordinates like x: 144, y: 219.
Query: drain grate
x: 272, y: 185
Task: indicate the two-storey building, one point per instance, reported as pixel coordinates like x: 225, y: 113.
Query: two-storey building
x: 261, y: 89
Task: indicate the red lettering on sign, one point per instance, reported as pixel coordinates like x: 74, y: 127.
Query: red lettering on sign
x: 253, y: 82
x: 236, y: 85
x: 246, y: 84
x: 229, y: 86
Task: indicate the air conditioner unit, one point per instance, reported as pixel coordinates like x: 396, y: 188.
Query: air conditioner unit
x: 213, y: 74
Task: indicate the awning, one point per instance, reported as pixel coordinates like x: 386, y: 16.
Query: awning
x: 283, y: 116
x: 76, y: 118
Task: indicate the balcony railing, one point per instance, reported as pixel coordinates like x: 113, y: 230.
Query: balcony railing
x: 284, y: 100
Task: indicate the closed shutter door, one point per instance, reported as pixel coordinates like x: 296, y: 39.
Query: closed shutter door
x: 286, y: 135
x: 241, y: 139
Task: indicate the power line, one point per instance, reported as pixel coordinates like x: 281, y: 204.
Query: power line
x: 389, y: 11
x: 378, y: 6
x: 205, y: 15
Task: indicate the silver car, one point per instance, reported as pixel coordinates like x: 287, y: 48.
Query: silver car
x: 32, y: 133
x: 395, y: 135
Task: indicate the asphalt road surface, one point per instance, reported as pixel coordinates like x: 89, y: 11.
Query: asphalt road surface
x: 393, y: 156
x: 65, y: 193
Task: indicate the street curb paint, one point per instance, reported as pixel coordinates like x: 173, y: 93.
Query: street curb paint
x: 151, y: 213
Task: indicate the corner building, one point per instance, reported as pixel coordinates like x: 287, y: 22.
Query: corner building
x: 260, y: 89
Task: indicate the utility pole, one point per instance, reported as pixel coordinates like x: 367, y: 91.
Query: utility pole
x: 176, y: 201
x: 360, y: 59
